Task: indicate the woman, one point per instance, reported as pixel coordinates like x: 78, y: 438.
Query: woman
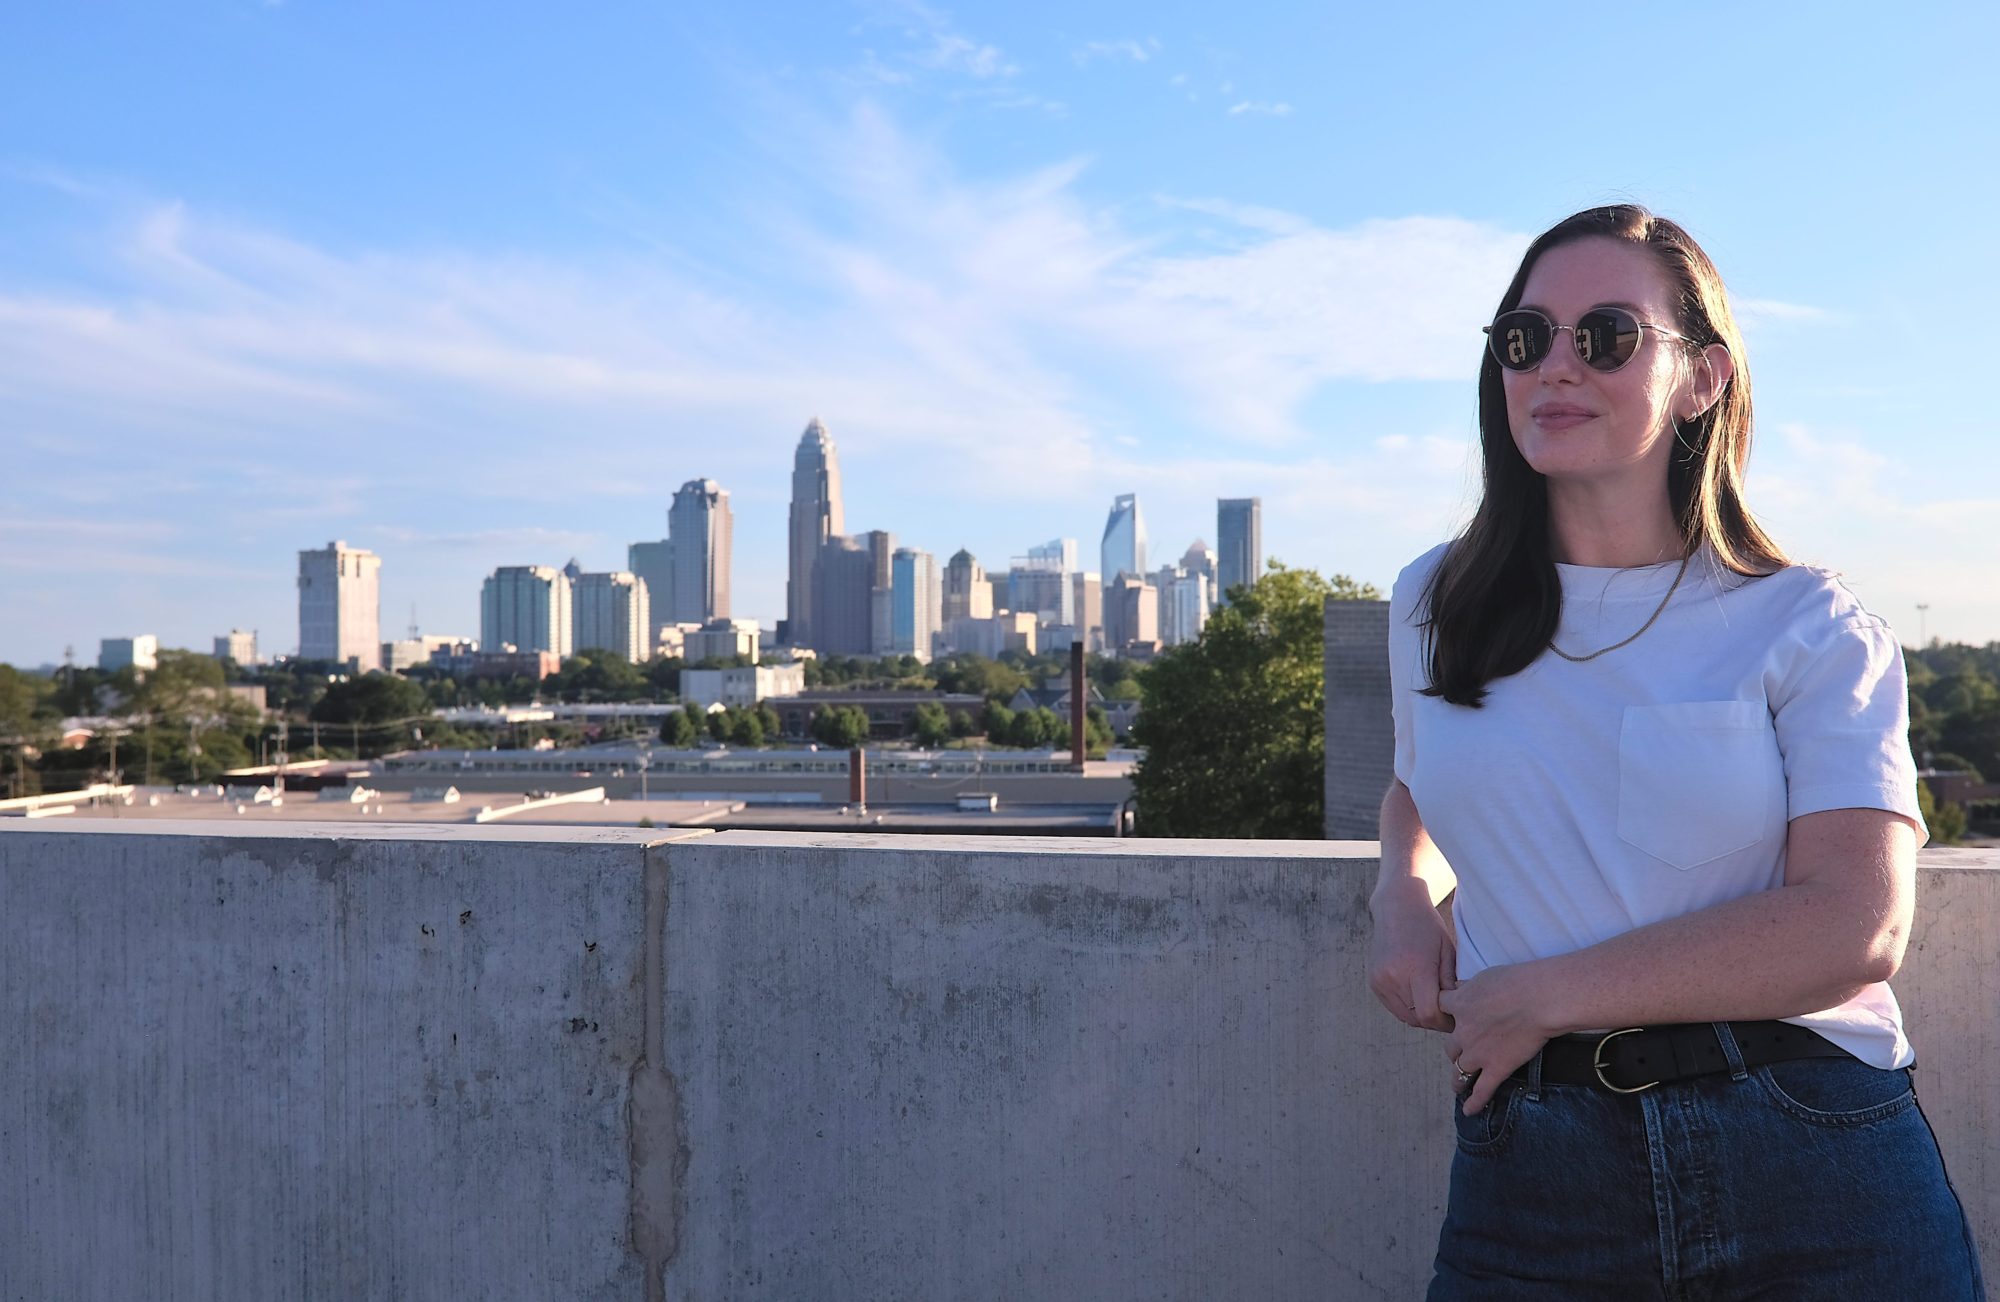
x: 1661, y: 776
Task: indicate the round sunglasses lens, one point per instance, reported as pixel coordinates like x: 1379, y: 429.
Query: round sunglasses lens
x: 1606, y: 338
x: 1519, y: 340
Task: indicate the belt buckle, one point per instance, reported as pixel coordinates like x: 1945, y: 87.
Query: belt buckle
x: 1598, y: 1064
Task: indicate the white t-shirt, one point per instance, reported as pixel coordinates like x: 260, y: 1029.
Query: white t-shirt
x: 1583, y: 800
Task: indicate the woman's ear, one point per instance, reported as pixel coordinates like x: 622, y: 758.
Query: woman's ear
x: 1708, y: 381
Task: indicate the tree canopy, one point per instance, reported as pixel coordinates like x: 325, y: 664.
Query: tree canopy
x: 1233, y: 723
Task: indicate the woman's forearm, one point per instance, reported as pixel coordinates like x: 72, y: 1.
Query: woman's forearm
x: 1778, y: 953
x: 1838, y: 924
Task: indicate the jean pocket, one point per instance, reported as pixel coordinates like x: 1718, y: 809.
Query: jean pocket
x: 1699, y: 780
x: 1837, y: 1091
x: 1486, y: 1130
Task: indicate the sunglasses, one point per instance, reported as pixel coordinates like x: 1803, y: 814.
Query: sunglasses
x: 1606, y: 337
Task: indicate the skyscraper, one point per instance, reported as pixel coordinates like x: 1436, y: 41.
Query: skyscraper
x: 340, y: 606
x: 1131, y: 613
x: 1239, y: 539
x: 842, y: 612
x: 967, y: 593
x: 527, y: 607
x: 816, y: 517
x: 1198, y: 559
x: 1039, y: 582
x: 700, y: 526
x: 918, y: 598
x: 612, y: 613
x: 654, y: 562
x: 1124, y: 548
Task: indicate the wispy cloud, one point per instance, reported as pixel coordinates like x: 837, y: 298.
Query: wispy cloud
x: 1135, y: 51
x: 1260, y: 108
x: 1753, y: 311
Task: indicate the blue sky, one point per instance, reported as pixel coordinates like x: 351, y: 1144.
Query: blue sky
x: 481, y: 285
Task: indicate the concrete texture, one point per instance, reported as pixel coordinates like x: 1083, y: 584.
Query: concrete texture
x: 532, y: 1062
x: 1360, y: 729
x: 318, y: 1063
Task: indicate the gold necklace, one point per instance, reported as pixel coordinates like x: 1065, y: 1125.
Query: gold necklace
x: 1657, y: 611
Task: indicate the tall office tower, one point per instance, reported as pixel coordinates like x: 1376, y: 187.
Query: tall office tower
x: 1124, y: 549
x: 919, y: 598
x: 881, y: 591
x: 572, y: 571
x: 1038, y: 583
x: 967, y: 593
x: 613, y: 613
x: 1131, y: 612
x: 816, y: 517
x: 1239, y: 534
x: 1183, y: 608
x: 654, y: 562
x: 238, y: 646
x: 526, y: 607
x: 1055, y: 554
x: 700, y: 524
x: 1087, y: 601
x: 340, y: 606
x: 841, y: 615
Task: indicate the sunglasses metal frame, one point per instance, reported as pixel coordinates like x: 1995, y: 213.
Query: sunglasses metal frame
x: 1575, y: 341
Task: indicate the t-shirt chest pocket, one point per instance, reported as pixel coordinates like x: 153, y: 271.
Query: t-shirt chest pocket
x: 1698, y: 780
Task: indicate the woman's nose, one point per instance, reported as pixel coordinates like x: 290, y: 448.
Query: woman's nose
x: 1562, y: 362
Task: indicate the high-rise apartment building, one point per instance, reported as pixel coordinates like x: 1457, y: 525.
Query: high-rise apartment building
x: 816, y: 517
x: 1087, y: 602
x: 340, y: 606
x: 612, y: 612
x: 237, y: 645
x: 700, y: 526
x: 967, y: 592
x: 528, y: 608
x: 1184, y: 601
x: 654, y: 563
x: 1199, y: 559
x: 1239, y: 538
x: 918, y: 598
x: 141, y: 652
x: 1124, y: 546
x: 1131, y: 613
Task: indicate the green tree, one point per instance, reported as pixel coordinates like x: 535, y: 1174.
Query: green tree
x: 371, y: 698
x: 1974, y: 736
x: 774, y: 727
x: 1946, y: 821
x: 717, y: 723
x: 930, y: 725
x: 997, y: 722
x: 678, y: 730
x: 745, y: 728
x: 1233, y: 724
x: 844, y: 726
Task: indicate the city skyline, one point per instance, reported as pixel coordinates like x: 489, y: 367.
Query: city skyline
x: 1018, y: 259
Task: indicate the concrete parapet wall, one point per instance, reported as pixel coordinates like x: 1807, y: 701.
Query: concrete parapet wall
x: 443, y: 1062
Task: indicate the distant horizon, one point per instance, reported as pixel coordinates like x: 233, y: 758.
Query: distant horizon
x: 320, y: 272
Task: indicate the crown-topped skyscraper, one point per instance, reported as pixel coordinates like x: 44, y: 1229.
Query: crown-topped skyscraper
x: 816, y: 517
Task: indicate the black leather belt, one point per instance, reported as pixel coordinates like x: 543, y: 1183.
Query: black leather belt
x: 1628, y: 1061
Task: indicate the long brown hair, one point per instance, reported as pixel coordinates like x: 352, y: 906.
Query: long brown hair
x: 1495, y: 600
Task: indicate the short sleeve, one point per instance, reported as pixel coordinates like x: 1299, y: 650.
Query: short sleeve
x: 1407, y: 672
x: 1843, y: 722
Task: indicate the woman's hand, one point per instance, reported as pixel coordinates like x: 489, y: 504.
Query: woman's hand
x: 1497, y: 1023
x: 1411, y: 957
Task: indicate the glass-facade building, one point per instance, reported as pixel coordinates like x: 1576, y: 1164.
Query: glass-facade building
x: 1124, y: 548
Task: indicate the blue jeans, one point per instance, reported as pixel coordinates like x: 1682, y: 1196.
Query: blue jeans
x: 1812, y: 1179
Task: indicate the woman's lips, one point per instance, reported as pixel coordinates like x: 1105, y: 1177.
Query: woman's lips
x: 1561, y: 418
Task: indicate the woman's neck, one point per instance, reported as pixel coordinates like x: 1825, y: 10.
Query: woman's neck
x: 1610, y: 531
